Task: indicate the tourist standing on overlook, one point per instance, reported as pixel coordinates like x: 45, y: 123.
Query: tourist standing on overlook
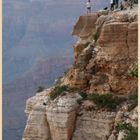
x: 88, y: 5
x: 112, y: 5
x: 116, y: 4
x: 128, y: 4
x: 131, y: 2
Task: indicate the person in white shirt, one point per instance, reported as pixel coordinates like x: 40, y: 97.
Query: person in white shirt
x: 112, y: 5
x: 88, y: 5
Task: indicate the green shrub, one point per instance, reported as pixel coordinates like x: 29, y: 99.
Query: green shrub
x: 123, y: 126
x: 40, y: 89
x: 133, y: 96
x: 83, y: 95
x: 133, y: 99
x: 96, y: 34
x: 133, y: 71
x: 131, y: 132
x: 57, y: 91
x: 105, y: 100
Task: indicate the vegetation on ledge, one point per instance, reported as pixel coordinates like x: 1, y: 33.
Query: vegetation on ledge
x: 40, y: 89
x: 103, y: 101
x: 57, y: 91
x: 133, y: 99
x: 83, y: 95
x: 133, y: 72
x: 131, y: 132
x: 106, y: 100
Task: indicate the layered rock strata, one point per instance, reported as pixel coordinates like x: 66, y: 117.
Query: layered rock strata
x: 103, y: 55
x: 92, y: 125
x: 51, y: 120
x: 103, y: 59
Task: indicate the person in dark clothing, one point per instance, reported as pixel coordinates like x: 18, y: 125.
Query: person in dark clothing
x: 131, y: 4
x: 116, y: 3
x: 121, y: 6
x: 88, y: 5
x: 136, y: 1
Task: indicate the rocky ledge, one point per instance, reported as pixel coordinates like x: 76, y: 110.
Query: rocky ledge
x: 105, y: 60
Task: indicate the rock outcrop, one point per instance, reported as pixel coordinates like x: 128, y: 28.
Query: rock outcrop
x: 103, y: 55
x: 94, y: 126
x: 37, y: 127
x: 102, y: 60
x: 84, y: 26
x: 51, y: 120
x: 61, y: 116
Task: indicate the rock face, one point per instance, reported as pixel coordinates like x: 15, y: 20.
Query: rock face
x: 85, y: 25
x: 105, y: 51
x: 103, y: 59
x: 37, y: 127
x: 94, y: 126
x: 61, y: 117
x: 52, y: 120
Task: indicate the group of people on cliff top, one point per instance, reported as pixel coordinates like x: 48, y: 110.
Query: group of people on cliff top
x: 114, y: 4
x: 123, y: 4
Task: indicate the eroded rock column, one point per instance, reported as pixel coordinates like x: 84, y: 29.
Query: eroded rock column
x: 37, y: 126
x: 61, y: 115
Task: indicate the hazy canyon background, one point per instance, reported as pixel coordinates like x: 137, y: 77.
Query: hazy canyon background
x: 37, y: 49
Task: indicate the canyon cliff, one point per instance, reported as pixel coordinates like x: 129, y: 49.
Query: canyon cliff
x: 105, y: 60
